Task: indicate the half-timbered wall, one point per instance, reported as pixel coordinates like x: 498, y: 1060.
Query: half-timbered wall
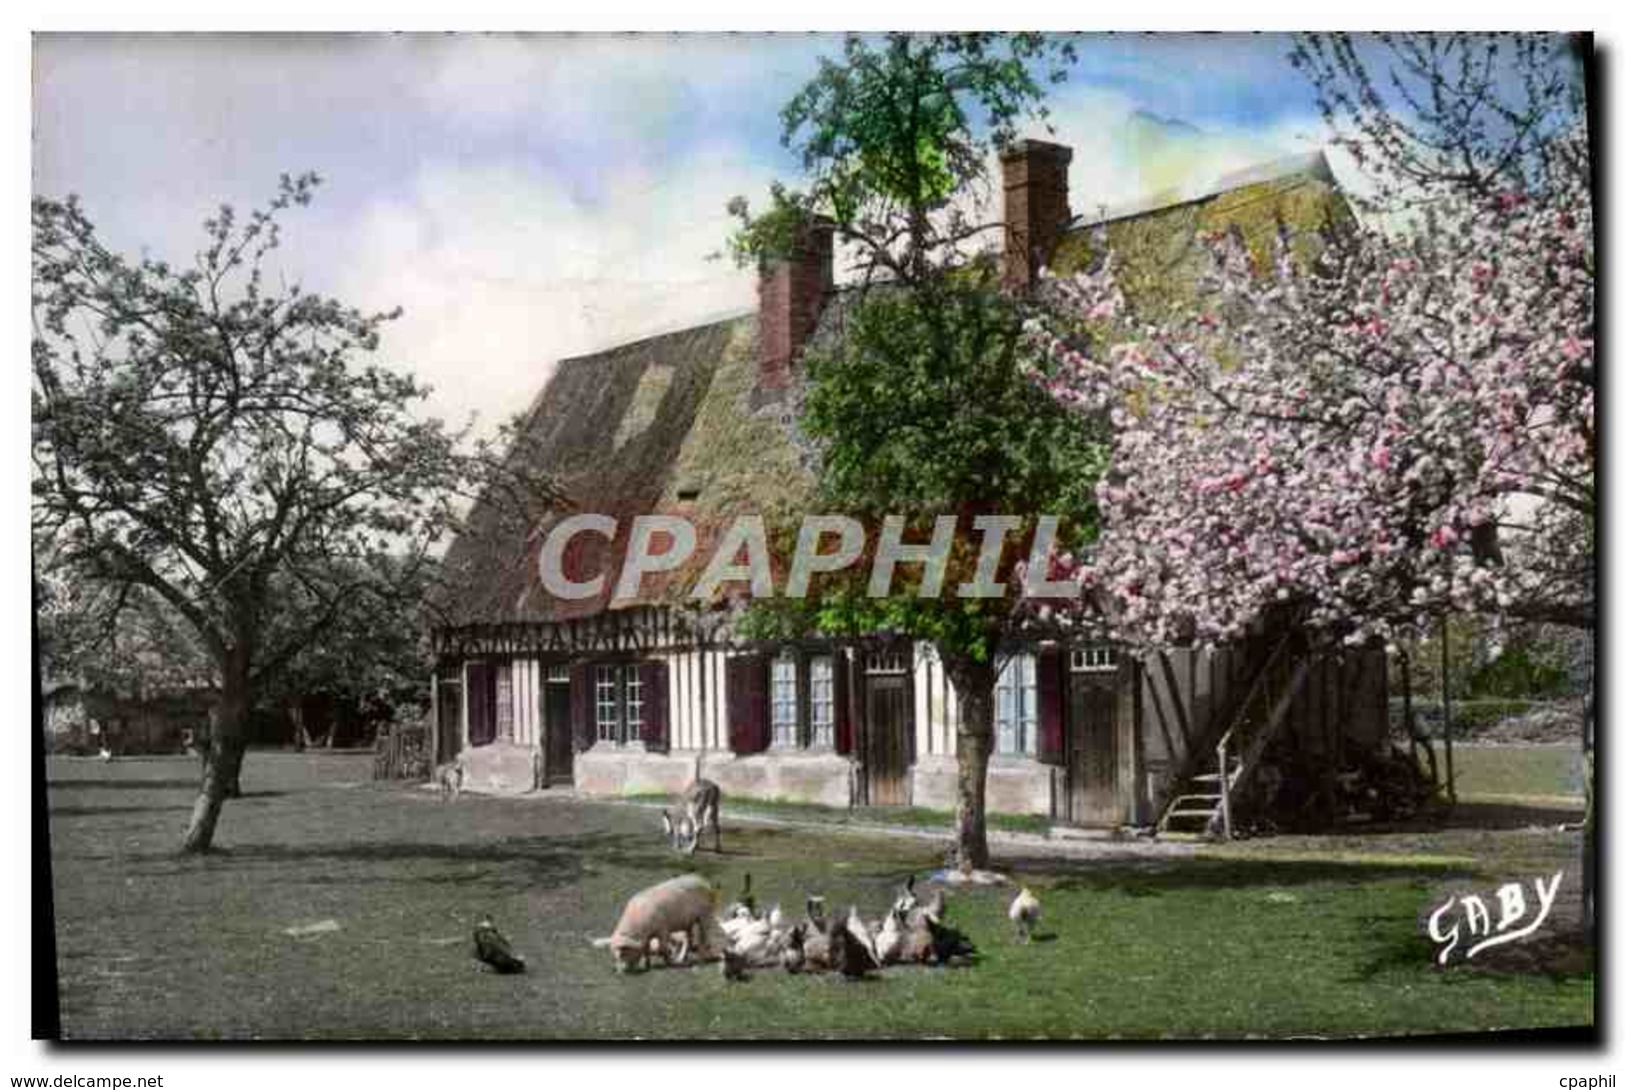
x: 699, y: 696
x: 526, y: 685
x: 1189, y: 697
x: 1171, y: 707
x: 936, y: 706
x: 1181, y: 691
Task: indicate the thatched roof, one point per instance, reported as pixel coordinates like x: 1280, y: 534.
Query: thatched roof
x: 672, y: 425
x: 675, y: 424
x: 1158, y: 249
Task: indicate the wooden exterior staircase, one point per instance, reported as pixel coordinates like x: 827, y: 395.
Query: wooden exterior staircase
x: 1223, y: 767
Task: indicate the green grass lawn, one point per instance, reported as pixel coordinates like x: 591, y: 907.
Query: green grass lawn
x: 1287, y: 936
x: 1539, y: 772
x: 918, y: 817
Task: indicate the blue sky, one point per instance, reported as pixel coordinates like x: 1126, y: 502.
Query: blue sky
x: 530, y: 197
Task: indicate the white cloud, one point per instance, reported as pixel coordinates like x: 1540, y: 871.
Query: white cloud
x: 523, y: 198
x: 1123, y: 156
x: 502, y: 272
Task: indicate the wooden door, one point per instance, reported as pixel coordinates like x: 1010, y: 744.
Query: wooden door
x: 1092, y: 748
x: 556, y: 717
x: 888, y: 728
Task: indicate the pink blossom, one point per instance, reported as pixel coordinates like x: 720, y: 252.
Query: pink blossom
x: 1460, y: 355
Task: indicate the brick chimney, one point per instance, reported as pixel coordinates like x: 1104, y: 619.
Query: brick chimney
x: 791, y: 292
x: 1035, y: 207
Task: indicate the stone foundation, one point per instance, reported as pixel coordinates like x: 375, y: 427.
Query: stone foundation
x: 1014, y: 785
x: 936, y: 782
x: 632, y: 770
x: 821, y: 778
x: 500, y: 768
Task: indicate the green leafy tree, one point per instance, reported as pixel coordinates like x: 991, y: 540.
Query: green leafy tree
x: 374, y: 657
x: 224, y: 447
x: 920, y: 407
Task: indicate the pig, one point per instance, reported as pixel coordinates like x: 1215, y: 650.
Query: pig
x: 679, y: 906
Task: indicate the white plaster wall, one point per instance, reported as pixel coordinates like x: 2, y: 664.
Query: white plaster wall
x: 936, y: 708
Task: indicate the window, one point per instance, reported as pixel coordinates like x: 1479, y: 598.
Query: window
x: 784, y: 701
x: 1096, y: 658
x: 632, y: 682
x: 606, y: 693
x: 618, y: 702
x: 801, y: 700
x: 1016, y: 705
x: 821, y: 669
x: 887, y: 663
x: 505, y: 702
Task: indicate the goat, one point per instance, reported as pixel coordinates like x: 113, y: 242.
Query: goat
x: 699, y: 808
x: 449, y: 779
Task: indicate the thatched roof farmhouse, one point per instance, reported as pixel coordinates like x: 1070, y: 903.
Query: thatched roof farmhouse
x: 629, y: 696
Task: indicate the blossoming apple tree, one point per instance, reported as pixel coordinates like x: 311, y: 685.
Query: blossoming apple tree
x: 1401, y: 427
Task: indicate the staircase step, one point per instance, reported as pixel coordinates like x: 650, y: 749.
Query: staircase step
x: 1207, y: 777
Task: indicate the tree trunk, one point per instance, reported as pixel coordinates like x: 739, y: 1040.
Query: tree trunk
x: 973, y: 683
x: 223, y: 759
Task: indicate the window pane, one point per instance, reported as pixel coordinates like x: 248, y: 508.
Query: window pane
x: 1005, y: 712
x: 822, y: 671
x: 784, y: 701
x: 1016, y: 705
x: 1029, y: 704
x: 505, y: 702
x: 606, y: 703
x: 634, y: 702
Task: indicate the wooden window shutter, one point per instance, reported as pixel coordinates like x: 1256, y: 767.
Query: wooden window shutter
x: 656, y: 728
x: 482, y: 699
x: 761, y: 709
x: 583, y: 730
x: 738, y: 700
x: 748, y: 713
x: 1051, y: 714
x: 843, y: 703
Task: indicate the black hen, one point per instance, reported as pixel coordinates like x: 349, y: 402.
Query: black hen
x: 733, y: 966
x: 491, y: 948
x: 849, y: 953
x: 948, y: 942
x: 794, y: 958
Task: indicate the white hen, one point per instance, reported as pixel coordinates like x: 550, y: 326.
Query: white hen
x: 889, y: 943
x: 1024, y: 913
x: 860, y: 932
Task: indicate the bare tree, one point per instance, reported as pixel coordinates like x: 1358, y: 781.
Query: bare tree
x: 1428, y: 114
x: 225, y: 447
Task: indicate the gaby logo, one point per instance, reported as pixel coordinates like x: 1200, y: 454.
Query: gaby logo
x: 1497, y: 925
